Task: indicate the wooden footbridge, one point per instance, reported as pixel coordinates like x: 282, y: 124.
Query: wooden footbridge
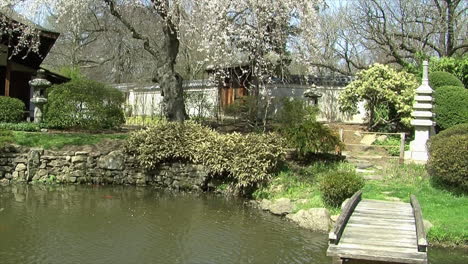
x: 371, y: 231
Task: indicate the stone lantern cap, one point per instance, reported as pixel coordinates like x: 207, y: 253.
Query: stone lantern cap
x: 312, y: 92
x: 38, y: 100
x: 40, y: 81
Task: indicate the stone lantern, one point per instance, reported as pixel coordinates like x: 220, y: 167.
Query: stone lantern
x: 39, y: 85
x: 423, y: 119
x: 312, y: 95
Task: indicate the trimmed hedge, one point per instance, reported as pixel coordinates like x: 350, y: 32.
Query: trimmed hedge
x: 11, y: 109
x: 448, y: 158
x: 24, y: 126
x: 338, y: 186
x: 248, y: 160
x: 84, y: 104
x: 457, y: 66
x: 439, y: 78
x: 451, y: 106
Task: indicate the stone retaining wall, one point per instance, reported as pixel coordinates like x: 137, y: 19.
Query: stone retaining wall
x: 76, y: 167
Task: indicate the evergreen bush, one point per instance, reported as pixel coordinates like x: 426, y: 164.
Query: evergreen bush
x: 246, y: 159
x: 11, y: 109
x: 448, y: 158
x: 338, y: 186
x: 457, y: 66
x: 298, y: 125
x: 439, y: 78
x: 84, y: 104
x: 451, y: 106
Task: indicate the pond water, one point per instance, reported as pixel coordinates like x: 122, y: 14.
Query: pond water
x: 95, y: 224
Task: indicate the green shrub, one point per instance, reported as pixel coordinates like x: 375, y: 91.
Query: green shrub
x: 248, y: 160
x: 298, y: 125
x: 245, y: 109
x: 391, y: 145
x: 440, y: 78
x: 84, y: 104
x: 457, y: 66
x: 253, y: 110
x: 337, y: 186
x: 451, y: 106
x: 11, y: 109
x: 448, y: 158
x: 28, y: 127
x: 460, y: 129
x: 388, y: 95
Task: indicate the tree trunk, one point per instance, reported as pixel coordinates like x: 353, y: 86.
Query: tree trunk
x: 169, y: 79
x: 173, y: 95
x: 450, y: 27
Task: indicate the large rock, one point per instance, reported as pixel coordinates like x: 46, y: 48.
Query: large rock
x: 281, y: 206
x: 334, y: 218
x: 112, y: 161
x: 368, y: 139
x: 21, y: 167
x: 34, y: 161
x: 265, y: 204
x: 382, y: 138
x: 4, y: 182
x: 317, y: 219
x: 79, y: 159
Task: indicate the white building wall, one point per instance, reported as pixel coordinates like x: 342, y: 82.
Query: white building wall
x: 203, y: 102
x: 328, y: 103
x: 144, y: 103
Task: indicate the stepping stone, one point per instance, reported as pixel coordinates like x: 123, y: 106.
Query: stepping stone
x: 372, y: 177
x: 368, y: 139
x: 364, y: 171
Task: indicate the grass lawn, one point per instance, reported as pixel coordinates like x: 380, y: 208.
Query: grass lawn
x: 301, y: 183
x: 60, y: 140
x: 447, y: 212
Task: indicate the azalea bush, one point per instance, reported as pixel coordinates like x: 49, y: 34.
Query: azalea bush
x: 388, y: 94
x: 246, y: 160
x: 337, y: 186
x: 451, y: 106
x: 457, y: 66
x: 448, y: 158
x: 439, y: 78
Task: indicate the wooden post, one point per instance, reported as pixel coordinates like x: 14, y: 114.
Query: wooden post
x: 402, y: 148
x: 8, y: 78
x: 420, y: 232
x: 335, y: 235
x: 341, y: 135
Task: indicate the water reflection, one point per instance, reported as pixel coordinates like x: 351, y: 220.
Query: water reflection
x: 95, y: 224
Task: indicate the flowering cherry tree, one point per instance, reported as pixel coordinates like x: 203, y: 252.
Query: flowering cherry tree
x: 259, y: 33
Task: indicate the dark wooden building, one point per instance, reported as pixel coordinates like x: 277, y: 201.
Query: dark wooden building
x: 17, y: 69
x: 234, y: 84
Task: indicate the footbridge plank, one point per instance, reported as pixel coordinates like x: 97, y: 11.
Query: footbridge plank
x: 372, y: 230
